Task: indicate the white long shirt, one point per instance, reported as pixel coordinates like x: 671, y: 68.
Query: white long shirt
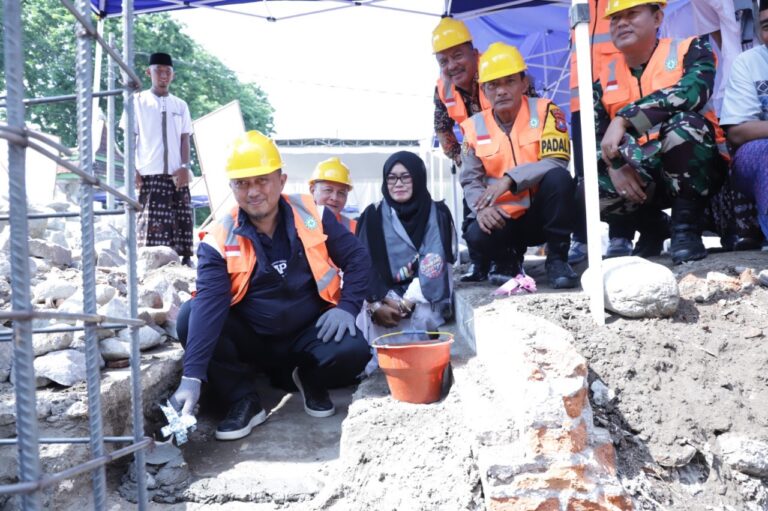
x: 148, y: 110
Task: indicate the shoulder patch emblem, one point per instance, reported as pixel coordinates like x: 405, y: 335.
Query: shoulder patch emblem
x: 310, y: 223
x: 560, y: 124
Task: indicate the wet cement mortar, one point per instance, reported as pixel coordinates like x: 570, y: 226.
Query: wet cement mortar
x: 679, y: 383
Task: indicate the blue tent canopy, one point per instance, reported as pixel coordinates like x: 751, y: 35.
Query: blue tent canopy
x: 459, y: 8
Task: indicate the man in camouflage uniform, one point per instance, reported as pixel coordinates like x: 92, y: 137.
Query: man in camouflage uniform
x: 658, y: 136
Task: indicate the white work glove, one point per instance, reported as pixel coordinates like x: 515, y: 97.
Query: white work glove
x: 186, y: 396
x: 334, y: 323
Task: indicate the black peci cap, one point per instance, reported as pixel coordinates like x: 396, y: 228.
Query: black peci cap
x: 161, y: 59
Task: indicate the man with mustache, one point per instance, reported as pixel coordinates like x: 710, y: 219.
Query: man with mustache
x: 659, y: 137
x: 457, y: 97
x: 515, y: 170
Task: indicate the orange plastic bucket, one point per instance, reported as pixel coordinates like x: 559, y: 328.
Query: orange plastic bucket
x: 414, y: 364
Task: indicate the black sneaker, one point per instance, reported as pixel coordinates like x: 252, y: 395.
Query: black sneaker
x: 241, y: 418
x: 560, y: 274
x: 317, y: 402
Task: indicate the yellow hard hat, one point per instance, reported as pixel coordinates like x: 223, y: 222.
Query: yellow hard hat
x: 252, y: 154
x: 500, y: 60
x: 449, y: 33
x: 331, y: 170
x: 615, y: 6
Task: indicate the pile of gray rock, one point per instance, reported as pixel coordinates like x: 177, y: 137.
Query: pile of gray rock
x: 55, y: 262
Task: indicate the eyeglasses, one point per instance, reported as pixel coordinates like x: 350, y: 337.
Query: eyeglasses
x: 392, y: 179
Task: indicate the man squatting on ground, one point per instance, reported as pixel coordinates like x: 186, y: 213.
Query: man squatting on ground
x: 457, y: 97
x: 330, y: 185
x: 162, y: 129
x: 515, y: 170
x: 659, y: 138
x: 269, y: 294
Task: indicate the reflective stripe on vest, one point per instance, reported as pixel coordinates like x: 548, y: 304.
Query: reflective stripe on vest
x: 601, y: 47
x: 326, y: 275
x: 240, y: 255
x: 501, y: 153
x: 664, y: 69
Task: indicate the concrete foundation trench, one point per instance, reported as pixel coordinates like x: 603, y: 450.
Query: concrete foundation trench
x: 519, y: 430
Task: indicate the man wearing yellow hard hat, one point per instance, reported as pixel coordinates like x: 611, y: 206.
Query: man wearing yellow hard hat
x: 330, y: 185
x: 457, y: 97
x: 269, y: 293
x: 515, y: 170
x: 658, y: 135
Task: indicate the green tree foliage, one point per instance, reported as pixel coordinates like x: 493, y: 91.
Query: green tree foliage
x: 201, y: 79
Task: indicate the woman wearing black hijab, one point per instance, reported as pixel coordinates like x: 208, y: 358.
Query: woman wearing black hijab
x: 412, y: 243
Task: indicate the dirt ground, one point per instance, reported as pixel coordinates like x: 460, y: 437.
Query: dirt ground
x: 679, y: 383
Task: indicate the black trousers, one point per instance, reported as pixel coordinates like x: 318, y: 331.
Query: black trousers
x: 240, y: 352
x: 549, y: 219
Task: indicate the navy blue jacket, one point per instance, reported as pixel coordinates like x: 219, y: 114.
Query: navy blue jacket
x: 274, y: 305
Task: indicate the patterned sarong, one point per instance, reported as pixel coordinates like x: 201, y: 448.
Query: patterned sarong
x: 166, y: 215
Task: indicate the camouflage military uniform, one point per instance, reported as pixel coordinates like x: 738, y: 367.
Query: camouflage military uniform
x: 684, y: 160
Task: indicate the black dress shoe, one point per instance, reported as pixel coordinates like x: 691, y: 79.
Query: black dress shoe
x: 476, y: 272
x: 502, y: 272
x: 241, y: 418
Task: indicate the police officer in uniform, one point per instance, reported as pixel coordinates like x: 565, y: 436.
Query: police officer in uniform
x: 515, y: 169
x: 269, y: 293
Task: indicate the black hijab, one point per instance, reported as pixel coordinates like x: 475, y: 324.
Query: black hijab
x: 414, y: 213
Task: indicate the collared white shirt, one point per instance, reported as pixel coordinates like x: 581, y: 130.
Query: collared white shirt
x: 148, y: 110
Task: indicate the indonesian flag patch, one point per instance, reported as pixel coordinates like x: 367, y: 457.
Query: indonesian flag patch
x: 612, y: 85
x: 483, y: 139
x: 232, y: 250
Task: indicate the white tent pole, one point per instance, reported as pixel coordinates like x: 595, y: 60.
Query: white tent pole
x: 580, y: 22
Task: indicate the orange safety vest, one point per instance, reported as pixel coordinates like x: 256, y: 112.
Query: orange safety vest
x: 240, y: 255
x: 601, y: 47
x: 347, y: 222
x: 665, y: 69
x: 453, y: 102
x: 501, y: 153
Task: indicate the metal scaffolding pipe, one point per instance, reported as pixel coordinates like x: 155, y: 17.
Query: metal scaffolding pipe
x: 65, y: 97
x: 23, y: 355
x: 8, y: 337
x: 84, y: 81
x: 87, y: 178
x: 111, y: 125
x: 35, y: 216
x: 70, y: 440
x: 28, y: 315
x: 93, y: 464
x: 133, y: 290
x: 130, y: 78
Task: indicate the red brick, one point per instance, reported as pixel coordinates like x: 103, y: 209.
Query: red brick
x: 606, y: 457
x: 558, y: 440
x: 556, y: 478
x: 613, y: 503
x: 620, y: 503
x: 524, y: 504
x: 574, y: 404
